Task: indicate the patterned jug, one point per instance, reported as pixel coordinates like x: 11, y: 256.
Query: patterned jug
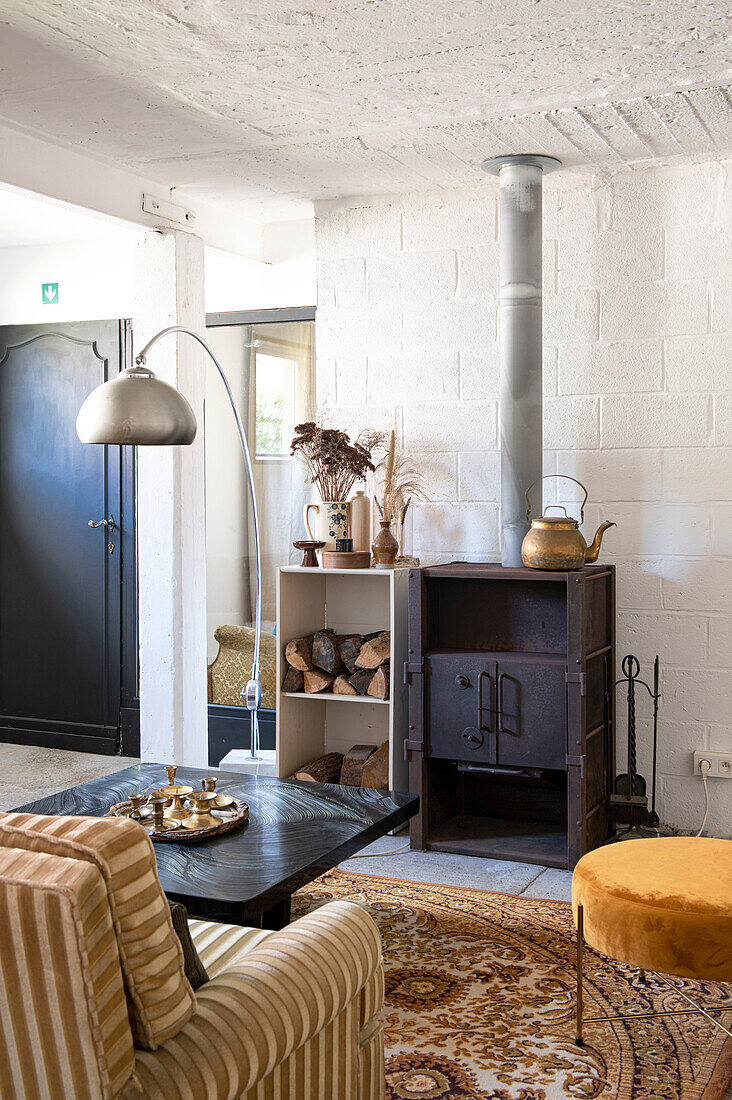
x: 333, y: 521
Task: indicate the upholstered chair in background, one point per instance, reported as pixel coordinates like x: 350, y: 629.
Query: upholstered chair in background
x: 95, y: 1005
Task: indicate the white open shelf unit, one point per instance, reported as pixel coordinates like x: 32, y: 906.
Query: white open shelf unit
x: 351, y: 601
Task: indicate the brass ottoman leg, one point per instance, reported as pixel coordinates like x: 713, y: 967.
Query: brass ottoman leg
x: 643, y: 979
x: 580, y: 926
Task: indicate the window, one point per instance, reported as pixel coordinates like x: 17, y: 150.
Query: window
x: 275, y: 404
x: 282, y: 363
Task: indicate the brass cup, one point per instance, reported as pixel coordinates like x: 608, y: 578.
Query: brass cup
x: 225, y: 802
x: 201, y: 817
x: 137, y: 812
x: 221, y: 801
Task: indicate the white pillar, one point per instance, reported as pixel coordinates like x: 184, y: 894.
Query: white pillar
x: 171, y: 520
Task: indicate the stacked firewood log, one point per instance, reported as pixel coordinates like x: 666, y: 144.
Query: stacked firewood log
x: 341, y: 664
x: 361, y: 766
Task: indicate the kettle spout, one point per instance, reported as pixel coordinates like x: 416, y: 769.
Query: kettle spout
x: 592, y: 552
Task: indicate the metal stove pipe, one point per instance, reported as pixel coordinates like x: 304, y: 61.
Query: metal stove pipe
x: 519, y: 329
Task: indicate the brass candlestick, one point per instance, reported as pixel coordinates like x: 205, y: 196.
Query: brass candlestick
x: 221, y: 801
x: 173, y: 788
x: 202, y: 818
x: 159, y: 823
x: 136, y: 811
x: 177, y: 810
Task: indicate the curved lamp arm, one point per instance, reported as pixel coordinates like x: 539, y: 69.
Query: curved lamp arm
x: 252, y: 693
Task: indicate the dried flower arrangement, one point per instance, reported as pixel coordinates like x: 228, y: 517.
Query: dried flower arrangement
x: 402, y: 483
x: 333, y: 462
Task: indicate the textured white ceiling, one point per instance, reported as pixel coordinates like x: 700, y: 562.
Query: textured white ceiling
x: 259, y: 99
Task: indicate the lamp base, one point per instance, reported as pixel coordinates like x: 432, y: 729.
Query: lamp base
x: 240, y: 760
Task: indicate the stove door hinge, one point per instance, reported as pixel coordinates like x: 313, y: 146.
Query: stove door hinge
x: 577, y: 762
x: 575, y: 678
x: 413, y: 668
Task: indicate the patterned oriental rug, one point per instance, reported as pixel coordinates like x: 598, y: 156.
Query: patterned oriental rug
x: 480, y: 993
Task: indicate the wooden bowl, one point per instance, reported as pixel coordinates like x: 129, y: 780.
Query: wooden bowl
x: 353, y: 559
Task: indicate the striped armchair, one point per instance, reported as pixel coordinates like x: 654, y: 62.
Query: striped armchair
x: 94, y: 1002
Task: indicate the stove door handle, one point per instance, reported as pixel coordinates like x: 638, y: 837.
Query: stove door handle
x: 501, y: 727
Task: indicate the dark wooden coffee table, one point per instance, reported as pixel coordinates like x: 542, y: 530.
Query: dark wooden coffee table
x: 296, y: 832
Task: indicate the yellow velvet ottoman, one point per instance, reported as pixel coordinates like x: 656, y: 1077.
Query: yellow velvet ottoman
x: 663, y: 904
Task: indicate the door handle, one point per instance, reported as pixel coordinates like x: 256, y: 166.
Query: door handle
x: 482, y: 677
x: 110, y: 525
x: 501, y: 727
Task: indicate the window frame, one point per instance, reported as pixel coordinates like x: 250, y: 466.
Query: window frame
x: 260, y: 316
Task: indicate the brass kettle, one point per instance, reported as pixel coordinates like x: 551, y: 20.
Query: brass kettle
x: 556, y: 542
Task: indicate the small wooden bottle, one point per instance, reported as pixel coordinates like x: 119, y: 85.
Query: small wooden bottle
x: 361, y: 521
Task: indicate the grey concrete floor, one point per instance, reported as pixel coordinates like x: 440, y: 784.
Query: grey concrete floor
x: 28, y: 773
x: 452, y: 870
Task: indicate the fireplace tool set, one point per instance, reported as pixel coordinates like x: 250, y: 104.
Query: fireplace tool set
x: 629, y: 801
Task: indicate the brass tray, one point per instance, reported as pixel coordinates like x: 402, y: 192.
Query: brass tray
x: 190, y: 836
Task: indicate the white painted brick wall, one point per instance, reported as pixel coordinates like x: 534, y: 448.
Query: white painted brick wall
x: 638, y: 402
x: 658, y: 420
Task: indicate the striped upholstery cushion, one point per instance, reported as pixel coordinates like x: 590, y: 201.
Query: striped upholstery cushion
x: 64, y: 1029
x: 283, y: 1022
x: 327, y: 1067
x: 160, y: 998
x: 222, y: 946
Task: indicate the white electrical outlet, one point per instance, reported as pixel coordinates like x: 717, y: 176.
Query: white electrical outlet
x: 721, y: 763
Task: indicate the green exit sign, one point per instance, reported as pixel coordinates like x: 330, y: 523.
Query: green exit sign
x: 49, y: 293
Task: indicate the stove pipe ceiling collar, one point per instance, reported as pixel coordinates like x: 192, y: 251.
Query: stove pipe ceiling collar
x: 519, y: 331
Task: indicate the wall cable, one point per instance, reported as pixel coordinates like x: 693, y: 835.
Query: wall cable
x: 704, y: 772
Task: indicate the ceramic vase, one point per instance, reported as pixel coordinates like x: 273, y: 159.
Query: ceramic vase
x: 361, y: 521
x: 385, y: 547
x: 333, y: 521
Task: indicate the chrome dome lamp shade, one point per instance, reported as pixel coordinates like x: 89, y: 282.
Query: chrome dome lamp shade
x: 136, y: 408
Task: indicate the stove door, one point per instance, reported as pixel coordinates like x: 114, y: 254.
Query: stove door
x: 461, y: 706
x: 531, y: 713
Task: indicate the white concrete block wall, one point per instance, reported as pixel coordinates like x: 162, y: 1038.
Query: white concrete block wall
x: 638, y: 402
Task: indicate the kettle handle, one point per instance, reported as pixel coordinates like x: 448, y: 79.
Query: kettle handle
x: 574, y: 479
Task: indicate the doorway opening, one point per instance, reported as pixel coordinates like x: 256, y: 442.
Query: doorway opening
x: 269, y: 357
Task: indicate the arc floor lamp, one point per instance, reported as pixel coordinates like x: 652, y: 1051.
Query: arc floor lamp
x: 139, y: 410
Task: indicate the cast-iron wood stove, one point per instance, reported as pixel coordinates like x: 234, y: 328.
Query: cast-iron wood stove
x: 511, y: 710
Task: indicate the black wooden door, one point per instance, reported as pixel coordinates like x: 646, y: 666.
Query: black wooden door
x: 61, y: 596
